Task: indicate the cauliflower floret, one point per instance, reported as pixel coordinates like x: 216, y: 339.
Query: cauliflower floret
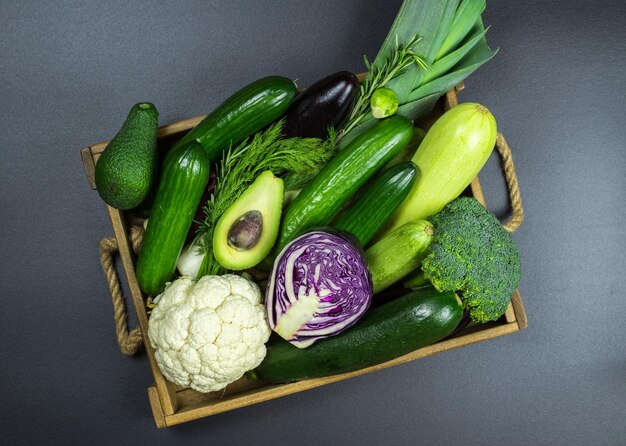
x: 207, y: 334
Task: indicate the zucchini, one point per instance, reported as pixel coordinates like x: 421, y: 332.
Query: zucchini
x: 244, y: 113
x: 413, y: 321
x: 339, y: 180
x: 184, y: 177
x: 398, y: 253
x: 454, y: 150
x: 372, y: 209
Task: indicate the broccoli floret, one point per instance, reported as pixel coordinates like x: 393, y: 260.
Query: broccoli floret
x: 472, y: 254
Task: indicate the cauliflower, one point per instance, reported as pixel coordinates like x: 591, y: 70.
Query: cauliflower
x: 207, y: 334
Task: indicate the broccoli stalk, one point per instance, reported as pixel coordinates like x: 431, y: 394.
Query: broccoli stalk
x: 471, y: 254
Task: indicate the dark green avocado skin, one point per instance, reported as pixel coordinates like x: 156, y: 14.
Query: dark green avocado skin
x: 127, y: 167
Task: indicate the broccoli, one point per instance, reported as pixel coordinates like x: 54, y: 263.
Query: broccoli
x: 471, y: 253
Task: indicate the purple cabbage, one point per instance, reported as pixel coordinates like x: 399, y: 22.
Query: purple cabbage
x: 319, y: 287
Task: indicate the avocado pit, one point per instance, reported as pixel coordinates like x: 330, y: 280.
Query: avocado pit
x: 246, y: 231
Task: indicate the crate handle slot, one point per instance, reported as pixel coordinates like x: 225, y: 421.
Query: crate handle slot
x: 515, y: 197
x: 130, y: 341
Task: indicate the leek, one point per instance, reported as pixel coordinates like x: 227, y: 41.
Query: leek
x: 447, y: 40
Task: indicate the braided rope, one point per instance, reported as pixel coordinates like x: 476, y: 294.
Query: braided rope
x: 130, y: 341
x: 515, y: 196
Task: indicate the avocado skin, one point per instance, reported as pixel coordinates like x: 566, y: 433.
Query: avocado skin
x: 127, y: 167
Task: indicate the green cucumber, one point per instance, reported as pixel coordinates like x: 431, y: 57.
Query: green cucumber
x: 244, y: 113
x: 410, y: 322
x: 398, y: 253
x: 339, y: 180
x: 372, y: 209
x: 184, y: 177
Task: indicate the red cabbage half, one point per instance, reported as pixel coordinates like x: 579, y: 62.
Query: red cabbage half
x: 320, y: 286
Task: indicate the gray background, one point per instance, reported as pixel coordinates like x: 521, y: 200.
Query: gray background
x: 70, y: 71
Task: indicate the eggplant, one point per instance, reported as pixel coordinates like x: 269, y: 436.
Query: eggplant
x: 324, y: 104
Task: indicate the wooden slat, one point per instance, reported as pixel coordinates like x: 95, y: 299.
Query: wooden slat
x: 509, y: 314
x: 165, y: 388
x: 477, y: 191
x: 520, y: 312
x: 155, y: 405
x: 451, y: 99
x: 90, y: 166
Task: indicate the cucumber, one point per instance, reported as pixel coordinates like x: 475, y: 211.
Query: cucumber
x: 398, y: 253
x: 322, y: 198
x: 244, y: 113
x: 413, y: 321
x: 184, y: 177
x: 372, y: 209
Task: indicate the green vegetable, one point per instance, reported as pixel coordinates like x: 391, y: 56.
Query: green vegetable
x: 127, y: 167
x: 245, y: 233
x: 472, y: 253
x: 454, y: 150
x: 247, y: 111
x: 384, y: 103
x: 319, y: 201
x: 413, y: 321
x: 398, y: 253
x: 378, y: 76
x: 416, y: 279
x: 371, y: 210
x: 452, y: 40
x: 184, y: 177
x: 409, y: 151
x: 298, y: 159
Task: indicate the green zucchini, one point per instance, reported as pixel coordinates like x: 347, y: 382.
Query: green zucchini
x: 339, y: 180
x: 184, y: 177
x: 372, y: 209
x: 398, y: 253
x: 244, y: 113
x: 410, y: 322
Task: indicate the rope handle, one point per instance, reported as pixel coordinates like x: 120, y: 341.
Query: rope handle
x: 130, y: 341
x: 510, y: 176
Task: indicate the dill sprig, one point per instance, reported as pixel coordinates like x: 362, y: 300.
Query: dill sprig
x: 377, y: 77
x: 298, y: 159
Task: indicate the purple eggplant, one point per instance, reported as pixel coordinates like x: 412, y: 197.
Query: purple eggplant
x: 324, y: 104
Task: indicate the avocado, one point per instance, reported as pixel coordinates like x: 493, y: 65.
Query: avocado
x: 246, y: 232
x: 126, y: 168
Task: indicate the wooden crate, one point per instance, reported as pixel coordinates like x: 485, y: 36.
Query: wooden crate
x: 172, y: 404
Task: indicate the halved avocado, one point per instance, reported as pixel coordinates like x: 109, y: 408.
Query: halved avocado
x: 245, y: 233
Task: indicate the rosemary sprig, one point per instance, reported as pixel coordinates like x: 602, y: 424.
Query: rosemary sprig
x: 297, y: 158
x: 401, y: 58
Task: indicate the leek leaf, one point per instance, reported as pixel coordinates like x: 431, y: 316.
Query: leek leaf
x: 420, y: 108
x: 442, y: 31
x: 467, y: 14
x: 444, y: 64
x: 474, y: 59
x: 419, y: 17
